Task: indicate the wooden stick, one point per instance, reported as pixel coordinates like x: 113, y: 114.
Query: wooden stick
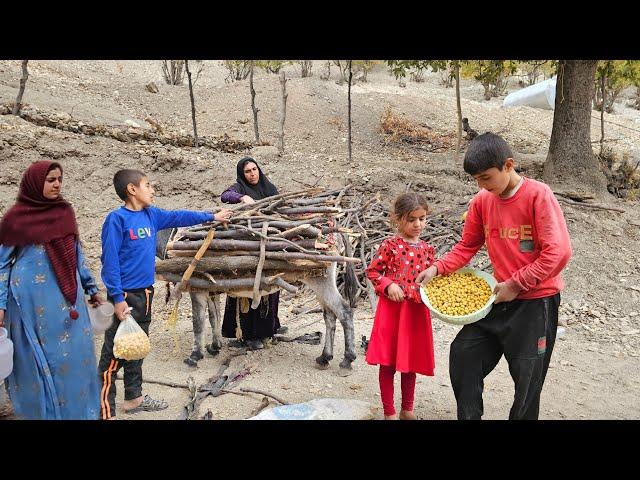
x: 158, y: 382
x: 266, y: 394
x: 294, y: 245
x: 229, y: 284
x: 256, y: 283
x: 308, y: 209
x: 589, y: 205
x: 303, y: 230
x: 233, y: 264
x: 272, y: 245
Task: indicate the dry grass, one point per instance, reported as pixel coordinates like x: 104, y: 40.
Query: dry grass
x: 399, y: 130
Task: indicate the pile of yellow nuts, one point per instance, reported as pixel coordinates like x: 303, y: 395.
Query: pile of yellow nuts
x: 131, y: 346
x: 458, y: 293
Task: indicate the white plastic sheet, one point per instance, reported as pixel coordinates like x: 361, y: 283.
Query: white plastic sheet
x: 321, y: 409
x: 540, y: 95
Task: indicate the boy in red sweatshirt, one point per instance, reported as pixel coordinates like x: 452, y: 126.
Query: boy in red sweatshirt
x: 522, y: 225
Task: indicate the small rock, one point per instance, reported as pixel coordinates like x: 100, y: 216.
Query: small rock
x: 131, y: 123
x: 560, y: 332
x: 152, y: 87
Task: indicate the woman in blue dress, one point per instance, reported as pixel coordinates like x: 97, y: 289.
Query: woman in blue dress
x: 43, y: 280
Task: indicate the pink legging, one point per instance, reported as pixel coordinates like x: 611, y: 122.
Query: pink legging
x: 407, y: 386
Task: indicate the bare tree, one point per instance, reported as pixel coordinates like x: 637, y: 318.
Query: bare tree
x: 237, y: 69
x: 305, y: 67
x: 193, y: 104
x: 173, y: 71
x: 23, y: 84
x: 349, y: 106
x: 283, y: 113
x: 604, y: 94
x: 456, y: 69
x: 200, y: 64
x: 253, y: 101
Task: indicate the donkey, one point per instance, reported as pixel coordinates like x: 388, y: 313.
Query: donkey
x: 334, y: 307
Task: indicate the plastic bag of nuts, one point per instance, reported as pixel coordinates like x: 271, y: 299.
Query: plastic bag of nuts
x: 130, y: 342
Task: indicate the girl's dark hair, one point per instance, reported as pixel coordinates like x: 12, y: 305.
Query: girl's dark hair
x: 406, y: 203
x: 486, y: 151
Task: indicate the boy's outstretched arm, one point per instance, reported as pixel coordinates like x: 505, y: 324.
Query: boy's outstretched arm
x: 184, y: 218
x: 555, y: 247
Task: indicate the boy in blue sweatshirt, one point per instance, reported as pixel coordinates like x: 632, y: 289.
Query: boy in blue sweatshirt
x: 128, y: 273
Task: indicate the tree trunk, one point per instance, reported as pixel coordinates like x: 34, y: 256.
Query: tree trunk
x: 283, y: 113
x: 604, y: 95
x: 349, y: 109
x: 193, y: 104
x: 253, y: 102
x: 456, y: 66
x: 487, y: 91
x: 23, y: 84
x: 570, y: 161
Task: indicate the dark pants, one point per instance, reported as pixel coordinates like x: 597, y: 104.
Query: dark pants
x: 140, y: 301
x: 525, y: 332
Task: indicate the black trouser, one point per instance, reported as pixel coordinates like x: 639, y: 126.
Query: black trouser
x: 525, y: 332
x: 140, y: 302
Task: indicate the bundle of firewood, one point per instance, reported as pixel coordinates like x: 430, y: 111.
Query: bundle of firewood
x: 279, y: 240
x: 266, y: 246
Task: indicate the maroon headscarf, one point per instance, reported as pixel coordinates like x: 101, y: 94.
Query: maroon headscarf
x: 37, y: 220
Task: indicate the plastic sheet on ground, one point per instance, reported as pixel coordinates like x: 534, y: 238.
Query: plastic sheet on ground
x: 321, y: 409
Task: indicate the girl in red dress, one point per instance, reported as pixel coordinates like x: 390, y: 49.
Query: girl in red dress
x: 401, y: 338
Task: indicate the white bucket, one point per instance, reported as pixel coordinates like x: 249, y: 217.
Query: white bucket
x: 101, y: 317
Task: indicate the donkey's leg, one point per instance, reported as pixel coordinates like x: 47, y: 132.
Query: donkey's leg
x: 198, y: 307
x: 346, y: 319
x: 214, y: 319
x: 323, y: 360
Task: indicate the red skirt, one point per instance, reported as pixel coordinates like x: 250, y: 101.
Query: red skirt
x: 402, y: 337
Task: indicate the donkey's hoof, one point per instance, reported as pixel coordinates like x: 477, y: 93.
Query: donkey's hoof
x: 212, y: 350
x: 192, y: 360
x: 345, y: 372
x: 322, y: 362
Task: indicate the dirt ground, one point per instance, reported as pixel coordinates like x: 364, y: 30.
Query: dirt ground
x: 594, y: 372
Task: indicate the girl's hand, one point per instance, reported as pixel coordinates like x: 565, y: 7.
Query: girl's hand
x: 121, y: 310
x: 96, y: 300
x: 1, y: 318
x: 394, y: 292
x: 248, y: 200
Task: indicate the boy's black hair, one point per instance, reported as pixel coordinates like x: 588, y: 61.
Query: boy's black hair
x: 122, y: 178
x: 486, y: 151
